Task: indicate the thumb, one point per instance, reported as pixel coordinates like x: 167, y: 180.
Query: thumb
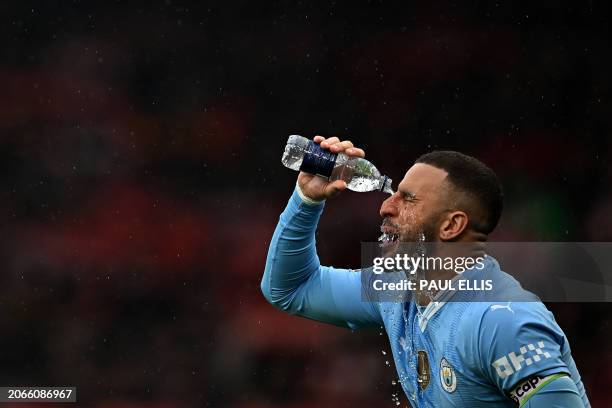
x: 335, y: 187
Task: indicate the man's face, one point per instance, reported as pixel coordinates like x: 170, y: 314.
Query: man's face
x: 413, y: 213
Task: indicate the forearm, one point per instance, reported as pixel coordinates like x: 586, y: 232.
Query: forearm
x: 295, y: 282
x: 292, y: 259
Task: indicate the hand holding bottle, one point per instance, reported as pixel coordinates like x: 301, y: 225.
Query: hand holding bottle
x: 318, y: 188
x: 328, y: 166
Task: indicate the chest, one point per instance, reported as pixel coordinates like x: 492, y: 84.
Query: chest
x: 431, y: 368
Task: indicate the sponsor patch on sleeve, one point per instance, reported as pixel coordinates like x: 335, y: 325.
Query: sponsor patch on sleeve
x: 528, y: 387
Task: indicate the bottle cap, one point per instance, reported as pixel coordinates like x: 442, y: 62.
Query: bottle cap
x: 386, y: 185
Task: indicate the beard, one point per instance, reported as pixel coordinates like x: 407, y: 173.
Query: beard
x: 408, y: 240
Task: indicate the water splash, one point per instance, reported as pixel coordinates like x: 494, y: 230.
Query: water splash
x: 386, y: 238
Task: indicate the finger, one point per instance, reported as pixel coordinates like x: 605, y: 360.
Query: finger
x: 328, y: 142
x: 355, y: 152
x: 341, y: 146
x: 318, y: 139
x: 334, y: 188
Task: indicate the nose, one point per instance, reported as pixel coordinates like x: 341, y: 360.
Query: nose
x: 388, y: 208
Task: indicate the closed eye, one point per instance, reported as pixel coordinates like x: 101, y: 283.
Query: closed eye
x: 408, y: 196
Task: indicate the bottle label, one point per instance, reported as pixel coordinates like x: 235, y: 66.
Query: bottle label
x: 318, y: 161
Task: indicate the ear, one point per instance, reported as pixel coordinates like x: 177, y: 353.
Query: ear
x: 453, y: 225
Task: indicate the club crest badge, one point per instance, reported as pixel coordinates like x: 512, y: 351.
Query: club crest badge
x: 447, y: 376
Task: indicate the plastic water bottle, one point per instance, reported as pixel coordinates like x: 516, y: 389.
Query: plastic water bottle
x: 302, y: 154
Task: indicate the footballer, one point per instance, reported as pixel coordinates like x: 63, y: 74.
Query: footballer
x: 447, y: 353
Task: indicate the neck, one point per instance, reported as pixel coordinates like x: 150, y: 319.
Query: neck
x: 423, y: 298
x: 443, y: 250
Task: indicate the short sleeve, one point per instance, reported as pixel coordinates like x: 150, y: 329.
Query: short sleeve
x: 519, y: 340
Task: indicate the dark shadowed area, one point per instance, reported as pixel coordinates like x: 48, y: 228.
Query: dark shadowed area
x: 140, y: 147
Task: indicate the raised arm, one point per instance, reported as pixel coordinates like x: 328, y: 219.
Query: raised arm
x: 294, y: 280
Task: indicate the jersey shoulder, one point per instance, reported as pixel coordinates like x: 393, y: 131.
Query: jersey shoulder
x: 509, y: 323
x: 509, y: 342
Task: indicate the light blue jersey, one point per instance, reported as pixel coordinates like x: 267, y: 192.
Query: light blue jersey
x: 455, y: 354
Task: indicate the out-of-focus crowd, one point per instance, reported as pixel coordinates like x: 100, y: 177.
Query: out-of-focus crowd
x: 140, y: 150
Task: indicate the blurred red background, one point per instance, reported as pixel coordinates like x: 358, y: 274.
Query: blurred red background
x: 141, y: 176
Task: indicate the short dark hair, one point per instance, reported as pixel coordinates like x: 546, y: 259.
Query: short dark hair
x: 471, y: 176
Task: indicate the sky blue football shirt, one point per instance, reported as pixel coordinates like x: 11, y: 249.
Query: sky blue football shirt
x: 461, y: 353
